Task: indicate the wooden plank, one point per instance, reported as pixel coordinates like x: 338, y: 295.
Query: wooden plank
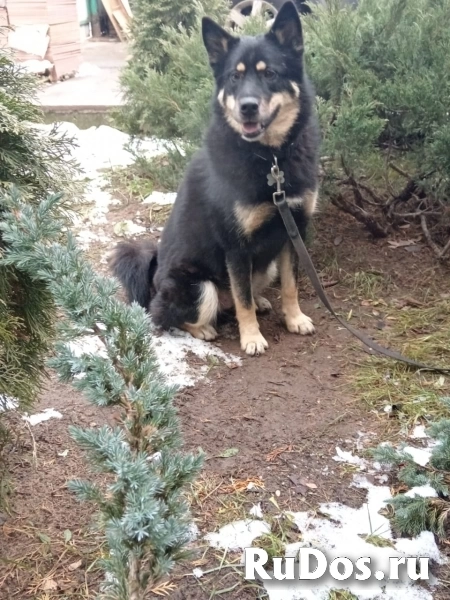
x: 122, y: 20
x: 110, y: 7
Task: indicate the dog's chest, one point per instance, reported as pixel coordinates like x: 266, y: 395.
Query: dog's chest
x: 254, y: 217
x: 256, y: 212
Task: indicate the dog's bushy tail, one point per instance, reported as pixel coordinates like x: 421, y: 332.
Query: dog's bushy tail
x: 134, y: 264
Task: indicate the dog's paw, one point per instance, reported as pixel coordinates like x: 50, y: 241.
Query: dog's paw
x: 205, y: 332
x: 262, y: 304
x: 254, y: 344
x: 300, y: 323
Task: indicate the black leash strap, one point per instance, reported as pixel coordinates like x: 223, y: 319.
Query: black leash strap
x: 279, y: 198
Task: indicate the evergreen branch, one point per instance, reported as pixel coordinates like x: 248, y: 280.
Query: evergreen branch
x: 106, y: 351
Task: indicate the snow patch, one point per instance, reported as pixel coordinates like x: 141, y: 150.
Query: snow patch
x: 238, y: 535
x: 160, y: 198
x: 342, y: 534
x: 424, y: 491
x: 172, y: 348
x: 422, y: 545
x: 421, y: 456
x: 97, y: 150
x: 193, y: 532
x: 88, y: 344
x: 418, y: 432
x: 256, y: 511
x: 45, y: 415
x: 348, y: 457
x: 8, y: 403
x: 171, y: 351
x: 197, y: 573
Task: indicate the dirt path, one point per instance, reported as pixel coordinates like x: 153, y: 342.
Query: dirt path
x: 284, y: 412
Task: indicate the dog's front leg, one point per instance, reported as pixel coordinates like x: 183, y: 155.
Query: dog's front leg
x: 296, y: 321
x: 240, y: 273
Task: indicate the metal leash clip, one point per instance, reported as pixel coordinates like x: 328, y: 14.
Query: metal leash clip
x: 278, y: 178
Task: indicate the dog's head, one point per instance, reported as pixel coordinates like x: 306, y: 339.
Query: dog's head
x: 259, y: 78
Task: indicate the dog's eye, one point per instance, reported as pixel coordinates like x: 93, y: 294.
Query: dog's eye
x: 236, y: 76
x: 269, y: 74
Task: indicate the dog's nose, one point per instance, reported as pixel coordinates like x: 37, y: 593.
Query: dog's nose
x: 249, y: 106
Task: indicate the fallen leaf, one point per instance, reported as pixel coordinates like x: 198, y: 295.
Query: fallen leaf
x: 403, y: 243
x: 277, y: 451
x: 337, y: 240
x: 299, y: 488
x: 49, y: 584
x: 412, y: 302
x: 243, y: 485
x: 329, y: 283
x: 228, y: 453
x: 44, y: 538
x: 67, y: 535
x: 75, y: 565
x: 120, y: 228
x: 311, y: 486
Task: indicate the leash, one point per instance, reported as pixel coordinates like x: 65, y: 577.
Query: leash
x: 279, y: 198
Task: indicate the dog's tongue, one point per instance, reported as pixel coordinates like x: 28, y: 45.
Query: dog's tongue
x: 250, y: 127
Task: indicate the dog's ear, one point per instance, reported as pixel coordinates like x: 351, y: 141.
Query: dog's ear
x: 287, y: 29
x: 218, y: 42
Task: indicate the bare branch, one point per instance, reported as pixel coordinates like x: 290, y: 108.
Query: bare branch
x: 436, y: 249
x: 360, y: 215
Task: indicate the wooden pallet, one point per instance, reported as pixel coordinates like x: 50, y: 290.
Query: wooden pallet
x: 119, y: 14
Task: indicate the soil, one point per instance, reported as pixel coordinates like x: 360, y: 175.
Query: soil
x: 294, y: 402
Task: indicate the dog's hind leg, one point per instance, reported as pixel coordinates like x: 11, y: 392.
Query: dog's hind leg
x: 261, y: 281
x: 207, y: 309
x: 296, y: 321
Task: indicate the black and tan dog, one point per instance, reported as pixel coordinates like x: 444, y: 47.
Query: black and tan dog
x: 224, y: 241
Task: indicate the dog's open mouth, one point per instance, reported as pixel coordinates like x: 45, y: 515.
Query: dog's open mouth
x: 252, y: 130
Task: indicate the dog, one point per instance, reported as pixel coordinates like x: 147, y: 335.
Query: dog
x: 224, y: 241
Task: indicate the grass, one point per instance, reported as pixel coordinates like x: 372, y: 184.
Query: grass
x: 377, y: 540
x: 367, y: 284
x: 421, y: 333
x: 130, y: 183
x: 158, y: 214
x: 165, y: 171
x: 49, y: 567
x: 341, y: 595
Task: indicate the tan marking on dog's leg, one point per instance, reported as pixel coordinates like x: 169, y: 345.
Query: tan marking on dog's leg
x: 296, y: 321
x: 208, y: 307
x: 240, y: 67
x: 252, y: 341
x: 261, y: 66
x: 310, y: 201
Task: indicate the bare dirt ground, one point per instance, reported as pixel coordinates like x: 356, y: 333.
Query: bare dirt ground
x: 285, y: 412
